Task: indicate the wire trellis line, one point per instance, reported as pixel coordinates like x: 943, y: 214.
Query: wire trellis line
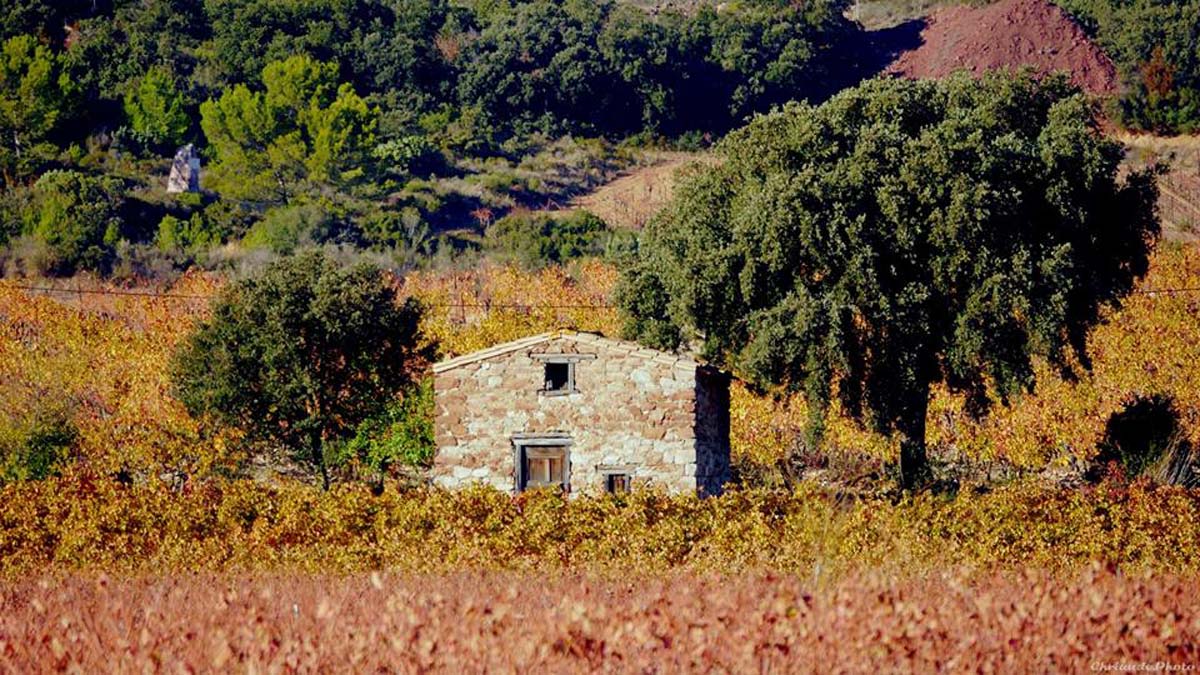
x: 452, y: 305
x: 187, y: 296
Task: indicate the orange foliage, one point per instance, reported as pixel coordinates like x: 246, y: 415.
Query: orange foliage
x: 479, y: 622
x: 506, y: 303
x: 107, y: 357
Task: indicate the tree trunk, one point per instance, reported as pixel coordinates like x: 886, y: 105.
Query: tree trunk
x: 914, y: 465
x: 318, y: 457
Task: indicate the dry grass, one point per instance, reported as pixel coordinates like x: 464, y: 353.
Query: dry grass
x: 1179, y: 203
x: 475, y: 622
x: 633, y: 199
x: 1182, y: 151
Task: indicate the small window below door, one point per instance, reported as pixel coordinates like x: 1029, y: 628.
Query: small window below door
x: 617, y: 483
x: 543, y: 466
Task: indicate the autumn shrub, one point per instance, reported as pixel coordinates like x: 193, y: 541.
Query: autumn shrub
x: 36, y: 443
x: 103, y: 360
x: 83, y: 523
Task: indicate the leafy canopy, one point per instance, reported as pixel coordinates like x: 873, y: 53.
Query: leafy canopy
x: 302, y: 127
x: 900, y: 235
x: 155, y: 108
x: 34, y: 94
x: 77, y: 220
x: 302, y: 354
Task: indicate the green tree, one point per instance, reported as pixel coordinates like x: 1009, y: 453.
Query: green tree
x: 44, y: 19
x: 34, y: 94
x: 900, y: 235
x: 302, y: 127
x: 1153, y: 45
x: 77, y: 218
x: 773, y: 51
x: 538, y: 68
x: 249, y: 34
x: 536, y: 239
x: 302, y: 354
x: 402, y: 433
x: 155, y: 109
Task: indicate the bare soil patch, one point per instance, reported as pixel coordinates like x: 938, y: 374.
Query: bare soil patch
x: 1009, y: 34
x: 634, y: 198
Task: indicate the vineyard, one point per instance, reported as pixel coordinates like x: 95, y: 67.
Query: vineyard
x: 147, y: 486
x: 106, y: 355
x: 475, y: 622
x: 958, y: 297
x: 164, y: 503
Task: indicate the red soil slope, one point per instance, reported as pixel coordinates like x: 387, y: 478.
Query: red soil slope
x: 1008, y: 34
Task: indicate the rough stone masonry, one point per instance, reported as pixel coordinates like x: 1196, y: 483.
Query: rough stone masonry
x: 581, y: 411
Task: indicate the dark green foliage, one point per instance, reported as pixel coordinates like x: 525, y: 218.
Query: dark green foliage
x: 1145, y: 438
x: 110, y: 51
x: 15, y: 205
x: 643, y: 297
x: 76, y: 217
x: 535, y: 239
x: 302, y: 354
x: 35, y: 97
x: 249, y: 34
x: 538, y: 68
x: 901, y: 235
x: 1153, y: 43
x: 43, y: 19
x: 402, y: 434
x: 35, y: 448
x: 405, y: 53
x: 595, y: 67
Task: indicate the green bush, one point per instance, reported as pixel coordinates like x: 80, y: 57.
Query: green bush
x: 76, y: 217
x: 401, y: 434
x: 35, y: 448
x: 193, y: 234
x: 535, y: 239
x: 286, y: 228
x: 409, y: 155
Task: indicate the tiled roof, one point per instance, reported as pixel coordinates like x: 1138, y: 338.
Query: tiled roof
x: 632, y: 348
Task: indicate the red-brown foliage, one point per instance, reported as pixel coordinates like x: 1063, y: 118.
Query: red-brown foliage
x: 1033, y: 622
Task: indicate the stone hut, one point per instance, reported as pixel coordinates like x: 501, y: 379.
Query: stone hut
x: 185, y: 171
x: 581, y: 411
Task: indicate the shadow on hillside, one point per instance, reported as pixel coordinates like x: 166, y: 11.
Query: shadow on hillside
x: 866, y: 54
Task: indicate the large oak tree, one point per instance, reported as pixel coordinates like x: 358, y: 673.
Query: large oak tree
x: 302, y: 354
x: 903, y: 234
